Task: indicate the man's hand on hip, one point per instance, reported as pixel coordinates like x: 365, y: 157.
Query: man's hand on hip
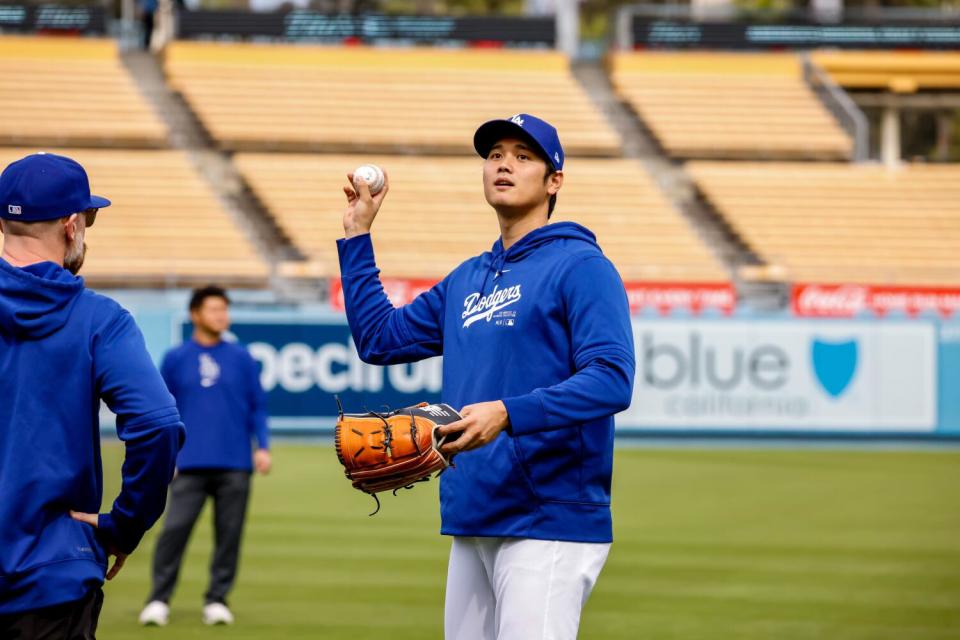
x: 93, y: 519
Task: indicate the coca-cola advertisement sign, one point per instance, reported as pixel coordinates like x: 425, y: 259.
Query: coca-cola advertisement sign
x: 847, y: 301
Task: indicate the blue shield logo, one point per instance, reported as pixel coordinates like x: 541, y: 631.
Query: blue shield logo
x: 835, y: 364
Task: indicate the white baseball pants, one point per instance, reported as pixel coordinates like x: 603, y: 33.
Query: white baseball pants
x: 519, y: 588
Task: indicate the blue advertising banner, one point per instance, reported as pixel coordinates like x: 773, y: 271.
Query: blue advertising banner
x: 699, y: 376
x: 304, y: 364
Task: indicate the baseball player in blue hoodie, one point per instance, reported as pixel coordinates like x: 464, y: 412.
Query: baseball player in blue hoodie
x: 538, y: 355
x: 63, y: 348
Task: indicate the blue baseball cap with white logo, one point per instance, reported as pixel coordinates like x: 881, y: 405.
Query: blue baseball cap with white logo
x: 523, y: 125
x: 45, y: 186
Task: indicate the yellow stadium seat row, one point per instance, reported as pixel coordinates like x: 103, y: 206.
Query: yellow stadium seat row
x: 165, y: 225
x: 358, y: 98
x: 635, y: 225
x: 734, y: 105
x: 898, y: 71
x: 56, y: 49
x: 58, y: 91
x: 356, y: 59
x: 695, y: 63
x: 842, y: 222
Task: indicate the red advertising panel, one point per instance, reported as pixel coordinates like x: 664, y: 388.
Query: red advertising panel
x: 846, y: 301
x: 662, y: 297
x: 693, y: 297
x: 401, y: 291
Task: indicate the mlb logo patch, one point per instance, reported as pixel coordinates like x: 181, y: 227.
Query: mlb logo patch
x: 13, y: 209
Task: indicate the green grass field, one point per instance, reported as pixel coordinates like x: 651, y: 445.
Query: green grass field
x: 709, y: 544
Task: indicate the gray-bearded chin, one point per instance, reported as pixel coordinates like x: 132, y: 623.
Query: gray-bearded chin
x: 72, y: 263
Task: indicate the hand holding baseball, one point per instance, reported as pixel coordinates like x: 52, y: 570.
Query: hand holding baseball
x: 362, y: 206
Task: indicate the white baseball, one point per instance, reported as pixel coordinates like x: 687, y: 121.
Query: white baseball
x: 372, y: 175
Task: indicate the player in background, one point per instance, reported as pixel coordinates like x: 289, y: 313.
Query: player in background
x: 217, y: 387
x: 63, y: 349
x: 538, y: 352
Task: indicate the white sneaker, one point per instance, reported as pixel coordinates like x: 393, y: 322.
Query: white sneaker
x: 217, y: 613
x: 156, y: 613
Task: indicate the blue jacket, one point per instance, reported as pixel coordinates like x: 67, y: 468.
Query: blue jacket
x: 223, y: 406
x: 545, y: 327
x: 64, y: 348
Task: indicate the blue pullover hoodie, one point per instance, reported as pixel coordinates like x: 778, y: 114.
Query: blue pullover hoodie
x: 543, y: 326
x: 62, y: 349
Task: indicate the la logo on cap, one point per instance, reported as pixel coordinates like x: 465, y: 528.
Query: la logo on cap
x: 13, y: 209
x: 517, y: 120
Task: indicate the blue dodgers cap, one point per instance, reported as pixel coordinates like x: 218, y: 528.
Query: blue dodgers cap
x: 540, y: 132
x: 45, y: 186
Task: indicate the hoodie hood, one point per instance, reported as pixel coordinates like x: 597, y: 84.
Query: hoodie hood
x: 536, y: 239
x: 36, y: 300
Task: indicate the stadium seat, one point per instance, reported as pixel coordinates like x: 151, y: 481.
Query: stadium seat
x: 436, y: 216
x: 165, y: 226
x: 346, y: 99
x: 728, y: 105
x: 75, y: 91
x: 827, y: 222
x: 897, y: 71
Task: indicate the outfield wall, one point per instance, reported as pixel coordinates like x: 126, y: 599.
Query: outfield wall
x: 709, y: 375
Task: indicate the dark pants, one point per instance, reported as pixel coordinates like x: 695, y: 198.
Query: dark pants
x: 147, y: 25
x: 75, y: 620
x: 188, y: 493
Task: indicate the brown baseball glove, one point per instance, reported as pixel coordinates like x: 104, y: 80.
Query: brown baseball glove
x: 394, y: 450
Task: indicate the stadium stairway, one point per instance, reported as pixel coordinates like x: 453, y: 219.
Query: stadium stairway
x: 219, y: 169
x: 215, y: 167
x: 678, y: 186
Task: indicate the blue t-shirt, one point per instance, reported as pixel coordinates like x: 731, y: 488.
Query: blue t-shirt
x: 222, y: 404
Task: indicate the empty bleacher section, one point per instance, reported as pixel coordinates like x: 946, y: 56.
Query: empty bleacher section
x: 728, y: 105
x: 165, y: 225
x: 436, y: 216
x: 842, y: 223
x: 336, y: 99
x: 896, y: 71
x: 71, y: 91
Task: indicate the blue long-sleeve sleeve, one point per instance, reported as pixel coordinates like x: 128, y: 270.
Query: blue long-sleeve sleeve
x: 147, y: 422
x: 598, y: 314
x: 384, y: 334
x: 258, y: 407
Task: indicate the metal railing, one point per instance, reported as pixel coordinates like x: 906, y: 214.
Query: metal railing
x: 836, y: 100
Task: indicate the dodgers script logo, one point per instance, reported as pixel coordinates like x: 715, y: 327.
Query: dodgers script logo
x: 482, y: 308
x: 835, y: 364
